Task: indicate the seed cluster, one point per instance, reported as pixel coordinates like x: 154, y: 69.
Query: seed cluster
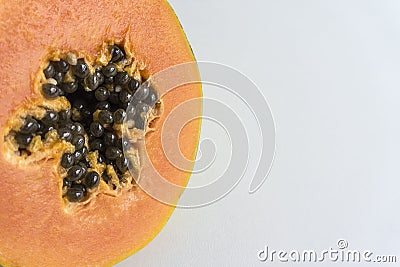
x: 99, y: 101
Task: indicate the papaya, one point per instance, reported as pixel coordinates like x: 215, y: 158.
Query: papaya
x: 75, y: 97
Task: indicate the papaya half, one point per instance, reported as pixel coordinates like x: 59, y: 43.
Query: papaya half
x: 75, y: 97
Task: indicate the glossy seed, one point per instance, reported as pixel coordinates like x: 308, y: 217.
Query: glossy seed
x: 69, y: 87
x: 65, y: 134
x: 84, y: 151
x: 81, y: 70
x: 119, y: 116
x: 103, y: 105
x: 23, y: 140
x: 71, y: 59
x: 70, y: 126
x: 97, y: 144
x: 122, y: 163
x: 76, y: 193
x: 50, y: 91
x: 61, y: 66
x: 59, y: 77
x: 51, y: 117
x: 96, y: 129
x: 122, y: 78
x: 102, y: 94
x: 116, y: 54
x: 92, y: 179
x: 67, y: 160
x: 75, y: 173
x: 30, y: 126
x: 91, y: 82
x: 109, y: 81
x: 84, y: 167
x: 78, y: 141
x: 133, y: 85
x: 100, y: 77
x: 110, y: 70
x: 66, y: 183
x: 105, y: 117
x: 101, y: 158
x: 78, y: 128
x: 78, y: 156
x: 112, y: 152
x: 49, y: 71
x: 110, y: 139
x: 125, y: 96
x: 41, y: 128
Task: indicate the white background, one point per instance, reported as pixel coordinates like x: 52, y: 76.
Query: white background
x: 330, y: 71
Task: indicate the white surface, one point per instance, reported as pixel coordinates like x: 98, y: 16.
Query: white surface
x: 330, y: 71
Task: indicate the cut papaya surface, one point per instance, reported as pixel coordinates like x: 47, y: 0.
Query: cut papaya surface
x: 71, y: 74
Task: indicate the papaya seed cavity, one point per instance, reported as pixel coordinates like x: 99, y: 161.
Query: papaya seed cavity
x: 78, y: 119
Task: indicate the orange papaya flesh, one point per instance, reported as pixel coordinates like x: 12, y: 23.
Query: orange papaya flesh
x: 40, y: 225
